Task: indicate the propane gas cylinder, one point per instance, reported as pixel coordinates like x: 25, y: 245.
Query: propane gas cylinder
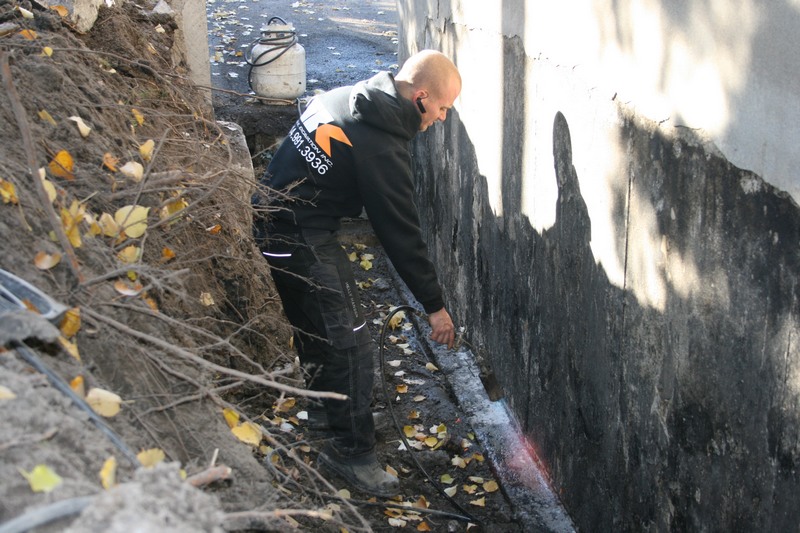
x: 277, y: 62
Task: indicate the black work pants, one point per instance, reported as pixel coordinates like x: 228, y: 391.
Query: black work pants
x: 320, y: 298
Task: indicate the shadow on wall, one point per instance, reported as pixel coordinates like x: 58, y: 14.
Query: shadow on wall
x: 681, y: 419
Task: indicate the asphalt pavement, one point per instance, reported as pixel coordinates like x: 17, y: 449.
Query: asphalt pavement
x: 344, y: 40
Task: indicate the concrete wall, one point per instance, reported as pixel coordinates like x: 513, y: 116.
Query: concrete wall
x: 635, y: 290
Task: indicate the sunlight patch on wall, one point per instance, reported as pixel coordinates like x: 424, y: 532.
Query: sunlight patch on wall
x: 485, y: 126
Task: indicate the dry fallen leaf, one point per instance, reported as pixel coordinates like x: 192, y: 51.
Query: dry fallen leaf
x: 71, y: 322
x: 167, y: 254
x: 423, y: 526
x: 25, y: 13
x: 248, y: 433
x: 78, y: 386
x: 231, y: 417
x: 110, y: 161
x: 132, y: 170
x: 8, y: 192
x: 108, y: 474
x: 30, y: 35
x: 213, y: 230
x: 82, y: 127
x: 397, y: 318
x: 108, y: 225
x: 284, y: 405
x: 151, y: 457
x: 47, y: 117
x: 42, y: 478
x: 62, y: 165
x: 146, y: 149
x: 6, y: 393
x: 103, y: 402
x: 491, y: 486
x: 138, y: 116
x: 447, y: 479
x: 173, y: 207
x: 206, y: 299
x: 49, y: 188
x: 61, y: 10
x: 127, y: 288
x: 129, y: 254
x: 70, y: 347
x: 402, y: 388
x: 132, y: 219
x: 451, y: 491
x: 47, y: 51
x: 480, y: 502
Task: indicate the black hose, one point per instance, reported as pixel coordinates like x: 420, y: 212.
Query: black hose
x: 468, y: 517
x: 281, y: 40
x: 62, y: 386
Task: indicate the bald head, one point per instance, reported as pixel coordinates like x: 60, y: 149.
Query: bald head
x: 430, y: 79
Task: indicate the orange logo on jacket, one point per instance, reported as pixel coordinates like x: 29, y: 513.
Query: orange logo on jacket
x: 317, y: 119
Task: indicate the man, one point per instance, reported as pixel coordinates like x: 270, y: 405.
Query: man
x: 348, y: 150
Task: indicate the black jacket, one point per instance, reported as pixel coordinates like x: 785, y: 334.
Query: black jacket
x: 348, y: 150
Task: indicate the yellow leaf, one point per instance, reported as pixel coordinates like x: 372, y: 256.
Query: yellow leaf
x: 71, y: 322
x: 61, y: 10
x: 409, y: 431
x: 47, y: 51
x: 108, y: 474
x: 151, y: 457
x: 70, y: 220
x: 231, y: 417
x: 108, y: 225
x: 30, y: 35
x: 62, y: 165
x: 42, y: 478
x: 70, y: 347
x: 103, y: 402
x: 8, y: 192
x: 173, y: 207
x: 206, y: 299
x: 469, y: 489
x: 151, y: 303
x: 478, y: 457
x: 132, y: 170
x: 366, y: 264
x: 447, y: 479
x: 430, y: 442
x: 82, y: 127
x: 248, y: 433
x: 77, y: 386
x: 49, y: 188
x: 344, y: 493
x: 423, y: 526
x: 353, y: 257
x: 167, y: 254
x: 284, y: 405
x: 132, y: 219
x: 480, y: 502
x: 138, y: 116
x: 476, y: 479
x: 6, y: 393
x: 146, y: 149
x: 397, y: 319
x: 110, y: 161
x: 129, y: 254
x: 491, y: 486
x: 47, y: 117
x: 402, y: 388
x: 126, y: 288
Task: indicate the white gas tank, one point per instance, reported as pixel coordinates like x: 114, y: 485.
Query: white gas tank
x: 277, y: 62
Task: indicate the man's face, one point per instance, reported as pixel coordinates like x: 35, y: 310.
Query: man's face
x: 437, y: 106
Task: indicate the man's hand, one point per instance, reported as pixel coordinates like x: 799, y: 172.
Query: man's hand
x: 444, y: 332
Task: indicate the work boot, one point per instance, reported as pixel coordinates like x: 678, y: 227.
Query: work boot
x: 318, y: 419
x: 363, y: 473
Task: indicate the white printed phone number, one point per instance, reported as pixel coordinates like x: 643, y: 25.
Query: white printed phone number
x: 310, y: 152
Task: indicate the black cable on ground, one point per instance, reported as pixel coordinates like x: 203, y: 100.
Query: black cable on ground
x: 467, y: 516
x: 32, y: 359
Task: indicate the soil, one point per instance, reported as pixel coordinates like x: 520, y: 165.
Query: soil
x: 186, y: 329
